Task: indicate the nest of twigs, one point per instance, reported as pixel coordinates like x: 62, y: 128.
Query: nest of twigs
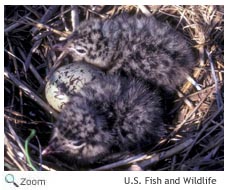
x: 196, y: 140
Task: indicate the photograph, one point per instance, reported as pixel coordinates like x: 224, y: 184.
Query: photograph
x: 113, y: 88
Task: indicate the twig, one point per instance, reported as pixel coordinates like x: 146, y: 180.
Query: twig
x: 166, y: 154
x: 191, y: 80
x: 40, y: 155
x: 32, y: 10
x: 186, y: 100
x: 213, y: 129
x: 15, y: 24
x: 200, y: 133
x: 90, y: 10
x: 48, y: 14
x: 201, y: 91
x: 30, y: 93
x: 144, y: 10
x: 74, y: 17
x: 122, y: 162
x: 58, y: 62
x: 29, y: 56
x: 32, y: 68
x: 11, y: 155
x: 218, y: 95
x: 144, y: 160
x: 48, y: 28
x: 16, y: 138
x: 178, y: 127
x: 198, y: 71
x: 63, y: 19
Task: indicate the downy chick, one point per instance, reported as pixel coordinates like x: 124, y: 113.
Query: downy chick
x: 110, y: 114
x: 137, y: 46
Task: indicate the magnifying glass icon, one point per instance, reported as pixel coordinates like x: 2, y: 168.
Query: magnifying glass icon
x: 9, y: 178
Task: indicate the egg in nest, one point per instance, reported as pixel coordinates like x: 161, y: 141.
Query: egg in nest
x: 68, y: 80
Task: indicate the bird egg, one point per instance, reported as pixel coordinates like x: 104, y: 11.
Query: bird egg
x: 68, y: 80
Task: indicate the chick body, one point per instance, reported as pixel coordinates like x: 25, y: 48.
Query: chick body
x: 110, y: 114
x: 138, y: 46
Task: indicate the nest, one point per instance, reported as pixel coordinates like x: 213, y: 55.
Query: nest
x: 196, y: 139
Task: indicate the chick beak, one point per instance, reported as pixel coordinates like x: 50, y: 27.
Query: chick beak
x: 64, y: 48
x: 46, y: 151
x: 59, y: 47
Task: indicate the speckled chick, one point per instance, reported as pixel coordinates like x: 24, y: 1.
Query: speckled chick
x: 138, y: 46
x: 109, y: 115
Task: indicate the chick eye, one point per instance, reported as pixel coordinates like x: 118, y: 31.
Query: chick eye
x: 81, y: 50
x: 77, y: 143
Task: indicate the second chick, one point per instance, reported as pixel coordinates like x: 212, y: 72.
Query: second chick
x: 110, y: 114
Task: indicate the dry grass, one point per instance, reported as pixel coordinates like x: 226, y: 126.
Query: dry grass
x: 196, y: 141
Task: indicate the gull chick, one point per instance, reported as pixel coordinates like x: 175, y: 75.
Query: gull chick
x: 137, y: 46
x: 110, y: 114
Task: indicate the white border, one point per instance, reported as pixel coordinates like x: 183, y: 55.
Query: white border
x: 112, y: 180
x: 100, y: 180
